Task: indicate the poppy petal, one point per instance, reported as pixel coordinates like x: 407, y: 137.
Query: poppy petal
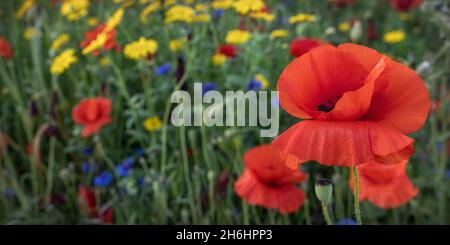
x: 286, y: 198
x: 341, y: 143
x: 386, y: 186
x: 318, y: 78
x: 403, y: 101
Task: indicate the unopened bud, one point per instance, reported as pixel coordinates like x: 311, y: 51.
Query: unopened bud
x: 324, y: 191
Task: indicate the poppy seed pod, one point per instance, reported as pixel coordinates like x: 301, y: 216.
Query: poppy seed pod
x: 324, y: 191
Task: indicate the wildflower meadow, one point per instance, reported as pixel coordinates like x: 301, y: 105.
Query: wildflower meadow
x: 225, y: 112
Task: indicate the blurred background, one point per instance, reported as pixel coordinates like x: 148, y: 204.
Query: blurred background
x: 138, y: 168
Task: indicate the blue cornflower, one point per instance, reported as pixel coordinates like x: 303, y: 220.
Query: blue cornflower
x: 121, y: 170
x: 139, y: 152
x: 87, y: 151
x: 448, y: 174
x: 9, y: 193
x: 104, y: 179
x: 218, y: 13
x: 140, y: 181
x: 346, y: 221
x: 208, y: 87
x: 87, y: 167
x: 440, y: 146
x: 163, y: 69
x: 128, y: 162
x: 254, y: 85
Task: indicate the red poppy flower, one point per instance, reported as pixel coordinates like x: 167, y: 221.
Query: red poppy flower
x: 386, y: 186
x: 228, y: 50
x: 93, y: 113
x: 110, y: 43
x: 301, y: 46
x: 359, y: 105
x: 88, y: 206
x: 268, y: 183
x: 343, y: 3
x: 405, y: 5
x: 372, y: 33
x: 87, y: 201
x: 5, y: 49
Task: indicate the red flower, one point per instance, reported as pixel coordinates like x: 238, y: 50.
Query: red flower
x: 89, y: 207
x: 386, y: 186
x: 405, y: 5
x: 228, y: 50
x: 343, y: 3
x: 93, y: 113
x: 372, y: 33
x: 359, y: 105
x: 5, y: 49
x: 110, y: 43
x: 301, y: 46
x: 87, y: 201
x: 268, y: 183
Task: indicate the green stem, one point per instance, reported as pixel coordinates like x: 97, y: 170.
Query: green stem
x: 326, y: 214
x: 356, y: 196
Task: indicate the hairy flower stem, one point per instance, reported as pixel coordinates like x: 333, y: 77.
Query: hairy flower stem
x: 326, y: 214
x: 356, y: 195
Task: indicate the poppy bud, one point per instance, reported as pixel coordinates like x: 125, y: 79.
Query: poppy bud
x: 324, y: 191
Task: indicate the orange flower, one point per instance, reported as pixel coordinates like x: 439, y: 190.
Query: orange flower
x: 268, y: 183
x: 359, y: 105
x: 301, y: 46
x: 109, y: 44
x: 93, y: 113
x: 386, y: 186
x: 6, y: 50
x: 405, y: 5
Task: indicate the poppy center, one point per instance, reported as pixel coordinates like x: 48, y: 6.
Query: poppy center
x: 329, y: 104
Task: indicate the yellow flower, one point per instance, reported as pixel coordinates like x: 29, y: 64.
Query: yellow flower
x: 99, y: 42
x: 63, y: 61
x: 201, y: 18
x: 74, y: 9
x: 222, y: 4
x: 60, y: 41
x: 176, y: 44
x: 263, y: 80
x: 179, y: 13
x: 262, y: 16
x: 302, y: 18
x: 114, y: 20
x: 26, y: 5
x: 246, y: 6
x: 140, y: 49
x: 149, y: 10
x: 201, y: 7
x: 152, y: 124
x: 104, y: 61
x: 30, y: 33
x: 278, y: 33
x: 92, y: 21
x: 395, y: 36
x: 218, y: 59
x: 237, y: 36
x: 344, y: 26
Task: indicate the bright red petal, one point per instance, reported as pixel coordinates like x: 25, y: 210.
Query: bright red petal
x: 286, y: 198
x: 341, y: 143
x: 386, y: 186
